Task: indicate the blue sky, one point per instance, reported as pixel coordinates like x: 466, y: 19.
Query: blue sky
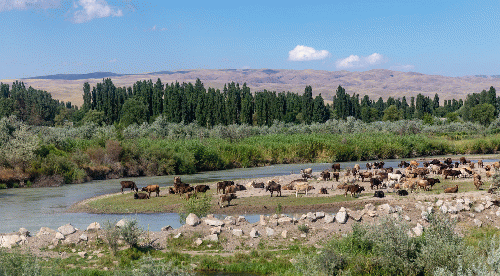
x: 451, y: 38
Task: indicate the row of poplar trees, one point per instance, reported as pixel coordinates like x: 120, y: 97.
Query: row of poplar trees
x: 189, y: 103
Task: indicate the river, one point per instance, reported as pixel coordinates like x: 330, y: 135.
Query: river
x: 33, y: 208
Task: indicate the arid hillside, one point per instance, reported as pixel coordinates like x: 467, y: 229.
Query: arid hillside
x: 374, y: 83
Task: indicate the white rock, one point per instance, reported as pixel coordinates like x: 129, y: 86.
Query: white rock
x: 459, y: 207
x: 238, y: 232
x: 83, y: 237
x: 418, y: 230
x: 45, y: 231
x: 284, y: 234
x: 320, y: 215
x: 303, y: 235
x: 66, y: 229
x: 10, y: 240
x: 242, y: 219
x: 342, y: 209
x: 285, y: 220
x: 178, y: 235
x: 254, y: 233
x: 439, y: 203
x: 386, y: 208
x: 213, y: 237
x: 478, y: 223
x: 372, y: 213
x: 82, y: 254
x: 479, y: 208
x: 24, y: 232
x: 59, y: 236
x: 430, y: 210
x: 341, y: 217
x: 498, y: 213
x: 425, y: 216
x: 329, y: 218
x: 452, y: 210
x: 488, y: 204
x: 443, y: 209
x: 262, y: 220
x: 460, y: 200
x: 269, y: 232
x: 370, y: 207
x: 121, y: 223
x: 215, y: 230
x: 230, y: 220
x: 214, y: 222
x: 357, y: 215
x: 472, y: 215
x: 407, y: 218
x: 198, y: 241
x: 467, y: 202
x: 192, y: 220
x: 167, y: 228
x: 94, y: 226
x: 275, y: 216
x: 311, y: 216
x: 272, y: 222
x: 303, y: 217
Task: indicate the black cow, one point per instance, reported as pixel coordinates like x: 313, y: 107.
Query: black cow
x: 402, y: 193
x: 129, y: 184
x: 379, y: 194
x: 201, y: 188
x: 273, y: 187
x: 141, y: 196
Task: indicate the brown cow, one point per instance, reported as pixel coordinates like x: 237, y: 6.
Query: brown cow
x: 325, y: 175
x: 152, y: 188
x: 452, y: 173
x: 335, y: 175
x: 201, y: 188
x: 480, y: 163
x: 463, y: 161
x: 141, y: 196
x: 273, y: 187
x: 354, y: 190
x: 336, y: 167
x: 478, y: 183
x: 364, y: 175
x: 224, y: 198
x: 414, y: 164
x: 423, y: 184
x: 221, y: 185
x: 323, y: 191
x: 129, y: 184
x: 451, y: 190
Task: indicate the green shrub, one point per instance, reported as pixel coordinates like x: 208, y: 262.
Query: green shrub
x: 151, y: 267
x: 198, y: 204
x: 303, y: 228
x: 111, y: 236
x: 131, y: 232
x: 3, y: 186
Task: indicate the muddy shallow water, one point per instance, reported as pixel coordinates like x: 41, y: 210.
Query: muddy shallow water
x: 37, y: 207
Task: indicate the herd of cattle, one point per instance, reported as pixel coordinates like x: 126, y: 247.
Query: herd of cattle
x: 407, y: 177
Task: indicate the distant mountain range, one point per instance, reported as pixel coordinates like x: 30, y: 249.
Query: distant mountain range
x: 374, y: 83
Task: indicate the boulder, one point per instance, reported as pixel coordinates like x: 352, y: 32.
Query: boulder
x: 284, y: 234
x: 370, y: 207
x: 329, y: 218
x: 24, y: 232
x: 372, y: 213
x: 83, y: 237
x: 356, y: 215
x: 178, y: 235
x: 94, y: 226
x: 272, y: 222
x: 230, y: 220
x: 425, y: 215
x: 341, y: 217
x: 242, y: 219
x: 479, y: 208
x: 269, y: 232
x: 386, y: 208
x: 407, y: 218
x: 66, y: 229
x: 311, y: 216
x: 498, y: 213
x: 215, y: 230
x: 192, y: 220
x: 238, y: 232
x: 488, y: 204
x: 121, y: 223
x: 452, y: 210
x: 254, y: 233
x: 59, y: 236
x: 262, y: 220
x: 10, y: 240
x: 44, y: 231
x: 443, y: 209
x: 82, y: 254
x: 198, y: 241
x: 478, y: 223
x: 439, y: 203
x: 285, y: 220
x: 214, y: 222
x: 320, y: 215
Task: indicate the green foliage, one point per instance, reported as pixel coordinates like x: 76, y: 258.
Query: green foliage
x: 18, y: 264
x: 303, y: 228
x: 131, y: 232
x: 198, y: 204
x: 279, y: 208
x: 148, y: 266
x: 111, y: 236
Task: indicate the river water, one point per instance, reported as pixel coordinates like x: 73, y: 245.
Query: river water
x: 36, y: 207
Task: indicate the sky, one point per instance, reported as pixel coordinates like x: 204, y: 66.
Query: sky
x: 450, y: 38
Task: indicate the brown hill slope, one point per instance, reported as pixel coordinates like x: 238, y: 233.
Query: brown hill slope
x: 374, y: 83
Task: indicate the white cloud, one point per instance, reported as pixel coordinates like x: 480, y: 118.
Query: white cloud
x: 304, y: 53
x: 94, y: 9
x: 7, y: 5
x: 354, y: 61
x: 407, y: 67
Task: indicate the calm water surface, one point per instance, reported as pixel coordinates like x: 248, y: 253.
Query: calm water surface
x: 37, y: 207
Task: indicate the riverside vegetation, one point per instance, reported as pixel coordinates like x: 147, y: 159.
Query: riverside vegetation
x: 56, y: 155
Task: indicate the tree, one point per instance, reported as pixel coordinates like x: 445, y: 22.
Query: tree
x: 392, y: 113
x: 483, y: 113
x: 133, y: 111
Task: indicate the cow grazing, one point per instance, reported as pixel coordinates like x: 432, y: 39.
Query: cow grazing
x: 201, y: 188
x: 432, y: 181
x: 364, y: 175
x: 496, y: 165
x: 141, y: 196
x: 452, y: 173
x: 435, y: 162
x: 302, y: 187
x: 226, y: 197
x: 221, y: 185
x: 379, y: 194
x: 336, y: 167
x: 259, y: 185
x: 402, y: 193
x: 375, y: 182
x: 355, y: 190
x: 480, y: 163
x: 129, y: 184
x: 272, y: 186
x: 451, y: 190
x: 478, y: 183
x: 424, y: 184
x: 335, y: 175
x: 323, y: 191
x: 394, y: 176
x: 152, y: 188
x: 172, y: 190
x: 184, y: 190
x: 448, y: 161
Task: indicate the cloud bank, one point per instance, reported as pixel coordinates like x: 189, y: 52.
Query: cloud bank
x: 304, y: 53
x: 354, y: 61
x: 7, y: 5
x: 92, y: 9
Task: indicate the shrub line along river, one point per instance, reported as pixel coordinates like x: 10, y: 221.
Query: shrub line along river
x: 33, y: 208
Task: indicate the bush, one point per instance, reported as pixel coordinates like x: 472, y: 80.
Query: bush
x: 151, y: 267
x: 16, y: 263
x: 303, y: 228
x: 111, y: 236
x: 131, y: 232
x: 198, y: 204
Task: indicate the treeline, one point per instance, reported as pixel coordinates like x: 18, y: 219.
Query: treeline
x: 36, y: 107
x: 190, y: 103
